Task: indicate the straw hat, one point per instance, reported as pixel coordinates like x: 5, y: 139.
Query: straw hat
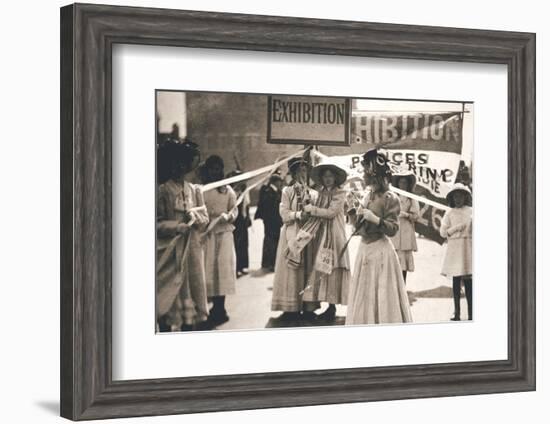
x: 459, y: 187
x: 408, y: 175
x: 340, y: 175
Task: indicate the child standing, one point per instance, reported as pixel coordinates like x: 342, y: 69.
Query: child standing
x: 404, y: 240
x: 456, y: 226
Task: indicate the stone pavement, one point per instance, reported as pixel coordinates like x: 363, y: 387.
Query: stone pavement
x: 429, y: 292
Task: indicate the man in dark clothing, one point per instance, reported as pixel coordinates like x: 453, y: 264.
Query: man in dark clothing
x: 268, y: 211
x: 241, y: 223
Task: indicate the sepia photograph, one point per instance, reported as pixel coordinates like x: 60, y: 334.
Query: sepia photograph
x: 282, y: 211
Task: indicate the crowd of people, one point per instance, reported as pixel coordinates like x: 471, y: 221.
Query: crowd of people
x: 202, y: 241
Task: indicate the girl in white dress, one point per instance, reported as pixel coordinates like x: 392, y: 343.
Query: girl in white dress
x: 456, y: 227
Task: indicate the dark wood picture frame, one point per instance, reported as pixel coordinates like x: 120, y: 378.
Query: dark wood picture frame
x: 88, y: 33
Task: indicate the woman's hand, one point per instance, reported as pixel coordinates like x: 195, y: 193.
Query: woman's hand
x: 308, y: 208
x: 224, y: 217
x: 370, y: 216
x: 186, y: 216
x: 182, y: 228
x: 404, y: 214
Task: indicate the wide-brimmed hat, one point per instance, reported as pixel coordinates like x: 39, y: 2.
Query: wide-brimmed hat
x: 408, y: 175
x: 174, y: 156
x: 340, y: 174
x: 459, y: 187
x: 295, y: 162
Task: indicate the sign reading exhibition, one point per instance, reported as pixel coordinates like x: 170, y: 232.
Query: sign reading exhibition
x: 308, y: 120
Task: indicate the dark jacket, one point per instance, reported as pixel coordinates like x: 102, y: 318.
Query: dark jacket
x: 268, y: 207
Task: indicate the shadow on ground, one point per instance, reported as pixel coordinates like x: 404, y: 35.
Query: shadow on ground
x: 259, y: 273
x: 280, y: 323
x: 442, y: 292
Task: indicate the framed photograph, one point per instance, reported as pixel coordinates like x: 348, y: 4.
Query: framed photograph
x: 262, y: 212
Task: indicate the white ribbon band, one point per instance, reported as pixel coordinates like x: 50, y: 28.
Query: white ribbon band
x: 250, y: 174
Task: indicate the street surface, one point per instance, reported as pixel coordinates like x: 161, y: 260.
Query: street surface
x: 429, y: 292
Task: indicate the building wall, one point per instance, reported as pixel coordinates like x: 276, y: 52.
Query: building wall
x: 233, y: 126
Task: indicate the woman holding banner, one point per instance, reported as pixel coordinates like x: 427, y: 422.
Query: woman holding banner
x: 329, y: 280
x: 181, y: 287
x: 290, y: 276
x: 219, y: 248
x: 377, y: 291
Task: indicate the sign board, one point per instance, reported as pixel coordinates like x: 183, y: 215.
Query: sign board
x: 308, y: 120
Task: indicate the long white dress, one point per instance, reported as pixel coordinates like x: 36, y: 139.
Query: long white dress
x: 289, y: 282
x: 377, y: 291
x: 220, y: 261
x: 181, y: 286
x: 458, y: 256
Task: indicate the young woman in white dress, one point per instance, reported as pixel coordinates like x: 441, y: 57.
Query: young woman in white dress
x: 329, y: 285
x: 290, y: 279
x: 181, y: 216
x: 377, y: 291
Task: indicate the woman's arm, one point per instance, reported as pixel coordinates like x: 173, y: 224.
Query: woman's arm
x: 201, y: 215
x: 445, y: 224
x: 165, y: 227
x: 414, y: 211
x: 389, y: 221
x: 336, y: 206
x: 287, y: 215
x: 232, y: 211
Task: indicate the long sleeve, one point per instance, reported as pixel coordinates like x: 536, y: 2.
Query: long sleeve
x: 287, y: 214
x: 445, y: 225
x: 414, y: 211
x: 261, y: 205
x: 165, y: 227
x: 231, y: 209
x: 389, y: 223
x: 336, y: 206
x: 201, y: 215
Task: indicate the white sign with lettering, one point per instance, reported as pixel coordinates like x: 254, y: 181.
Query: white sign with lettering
x: 308, y: 120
